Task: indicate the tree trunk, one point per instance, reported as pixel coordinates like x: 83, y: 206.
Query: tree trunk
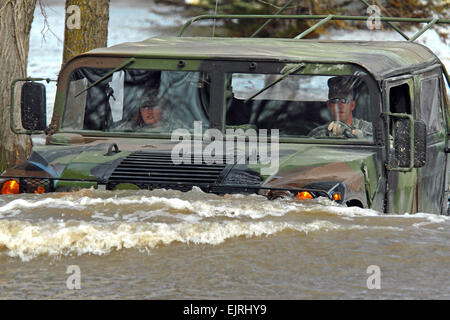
x: 15, y: 25
x: 86, y: 26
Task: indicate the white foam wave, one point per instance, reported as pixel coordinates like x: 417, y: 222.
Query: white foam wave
x: 26, y: 240
x: 231, y: 208
x: 433, y: 218
x: 19, y: 204
x: 254, y: 207
x: 340, y: 210
x: 81, y: 203
x: 144, y: 216
x: 139, y: 208
x: 429, y: 219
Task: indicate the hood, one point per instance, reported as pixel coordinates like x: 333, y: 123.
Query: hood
x: 310, y: 166
x: 83, y: 161
x: 300, y: 165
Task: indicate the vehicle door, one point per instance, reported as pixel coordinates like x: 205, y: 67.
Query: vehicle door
x: 431, y: 177
x: 401, y: 183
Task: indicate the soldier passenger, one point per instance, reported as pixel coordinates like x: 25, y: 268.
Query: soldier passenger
x: 148, y: 115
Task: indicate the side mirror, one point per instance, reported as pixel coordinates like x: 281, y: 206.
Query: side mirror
x: 33, y: 106
x: 402, y: 143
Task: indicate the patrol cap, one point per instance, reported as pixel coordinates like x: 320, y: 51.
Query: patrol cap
x: 149, y: 98
x: 341, y: 87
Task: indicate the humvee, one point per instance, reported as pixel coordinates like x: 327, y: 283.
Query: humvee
x: 143, y: 115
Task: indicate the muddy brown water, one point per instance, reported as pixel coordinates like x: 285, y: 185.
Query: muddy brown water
x: 166, y: 244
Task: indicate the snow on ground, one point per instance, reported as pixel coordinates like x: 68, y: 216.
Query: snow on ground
x: 139, y: 22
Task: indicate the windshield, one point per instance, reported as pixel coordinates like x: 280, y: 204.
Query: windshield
x: 132, y: 100
x: 310, y: 106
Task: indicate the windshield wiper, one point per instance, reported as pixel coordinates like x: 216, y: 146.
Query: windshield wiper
x: 120, y: 67
x: 287, y: 70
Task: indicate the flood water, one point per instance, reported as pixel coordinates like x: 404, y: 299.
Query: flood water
x: 171, y: 245
x: 165, y: 244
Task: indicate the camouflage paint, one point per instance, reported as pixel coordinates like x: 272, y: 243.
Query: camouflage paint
x: 309, y: 164
x: 431, y: 186
x: 302, y: 161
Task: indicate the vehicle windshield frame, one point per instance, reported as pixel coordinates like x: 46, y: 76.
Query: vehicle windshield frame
x: 109, y: 63
x: 217, y: 69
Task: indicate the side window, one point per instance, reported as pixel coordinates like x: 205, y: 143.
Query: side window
x: 430, y: 104
x: 399, y: 101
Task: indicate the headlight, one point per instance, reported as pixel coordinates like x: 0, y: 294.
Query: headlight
x: 10, y: 187
x: 337, y: 197
x: 304, y: 195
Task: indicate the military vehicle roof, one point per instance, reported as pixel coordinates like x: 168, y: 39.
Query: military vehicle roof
x: 381, y: 58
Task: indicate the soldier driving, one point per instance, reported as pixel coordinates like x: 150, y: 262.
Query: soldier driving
x: 341, y: 103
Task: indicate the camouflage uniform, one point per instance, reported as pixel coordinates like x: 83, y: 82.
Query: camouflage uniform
x: 360, y: 129
x: 342, y: 87
x: 364, y: 127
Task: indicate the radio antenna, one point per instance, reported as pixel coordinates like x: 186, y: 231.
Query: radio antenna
x: 214, y: 25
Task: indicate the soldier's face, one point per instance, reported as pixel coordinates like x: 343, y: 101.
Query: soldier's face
x: 150, y: 114
x: 341, y: 109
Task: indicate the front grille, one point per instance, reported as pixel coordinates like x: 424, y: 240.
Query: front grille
x: 35, y: 185
x: 152, y: 170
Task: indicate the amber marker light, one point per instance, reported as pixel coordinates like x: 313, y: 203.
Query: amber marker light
x: 304, y: 195
x: 10, y: 187
x: 337, y: 197
x: 39, y: 189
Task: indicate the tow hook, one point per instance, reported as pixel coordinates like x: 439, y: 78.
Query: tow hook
x: 110, y: 149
